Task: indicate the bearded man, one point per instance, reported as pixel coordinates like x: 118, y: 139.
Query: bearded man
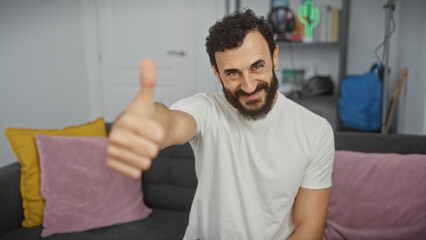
x: 263, y: 162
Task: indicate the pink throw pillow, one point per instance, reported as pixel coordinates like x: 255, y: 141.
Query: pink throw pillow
x: 81, y: 192
x: 377, y: 196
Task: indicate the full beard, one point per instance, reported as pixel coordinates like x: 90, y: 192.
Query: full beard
x: 259, y: 112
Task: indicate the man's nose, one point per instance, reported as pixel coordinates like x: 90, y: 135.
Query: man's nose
x: 248, y: 84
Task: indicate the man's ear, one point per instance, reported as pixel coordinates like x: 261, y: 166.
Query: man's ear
x: 216, y: 73
x: 275, y: 58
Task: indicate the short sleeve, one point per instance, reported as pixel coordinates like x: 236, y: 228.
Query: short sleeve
x: 198, y: 106
x: 319, y: 170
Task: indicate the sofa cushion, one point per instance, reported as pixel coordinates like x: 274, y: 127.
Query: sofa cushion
x: 170, y: 183
x: 23, y: 145
x: 377, y: 196
x: 80, y: 190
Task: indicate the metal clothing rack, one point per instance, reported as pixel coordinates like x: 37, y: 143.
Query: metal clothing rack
x: 228, y: 6
x: 389, y: 28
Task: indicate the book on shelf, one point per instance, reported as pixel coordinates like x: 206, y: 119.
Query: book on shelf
x: 328, y: 28
x: 335, y: 32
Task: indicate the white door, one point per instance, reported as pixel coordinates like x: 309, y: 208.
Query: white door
x: 131, y: 30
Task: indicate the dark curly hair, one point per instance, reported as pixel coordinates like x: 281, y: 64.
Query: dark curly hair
x: 231, y: 30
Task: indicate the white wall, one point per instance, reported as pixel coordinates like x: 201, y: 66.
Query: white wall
x: 207, y: 13
x: 48, y: 69
x: 43, y: 81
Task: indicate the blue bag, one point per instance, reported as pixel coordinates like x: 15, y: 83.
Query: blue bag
x: 361, y: 100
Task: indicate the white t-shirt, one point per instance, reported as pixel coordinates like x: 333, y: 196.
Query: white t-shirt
x: 249, y: 172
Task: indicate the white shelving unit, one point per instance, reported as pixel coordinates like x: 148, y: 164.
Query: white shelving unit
x: 328, y: 58
x: 323, y: 58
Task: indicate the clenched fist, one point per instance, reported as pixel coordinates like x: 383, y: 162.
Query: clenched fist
x: 135, y: 136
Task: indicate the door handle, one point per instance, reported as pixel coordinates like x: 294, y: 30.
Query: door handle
x: 176, y: 53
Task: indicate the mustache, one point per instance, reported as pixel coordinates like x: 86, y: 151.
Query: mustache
x: 260, y: 86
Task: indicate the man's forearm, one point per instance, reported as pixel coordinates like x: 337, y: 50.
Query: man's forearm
x: 179, y: 127
x: 163, y: 117
x: 310, y: 213
x: 302, y: 233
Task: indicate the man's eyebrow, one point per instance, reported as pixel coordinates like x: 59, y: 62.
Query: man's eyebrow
x: 231, y: 70
x: 257, y: 62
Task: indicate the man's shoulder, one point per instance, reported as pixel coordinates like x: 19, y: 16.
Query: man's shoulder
x: 204, y: 97
x: 212, y: 96
x: 200, y: 102
x: 293, y: 107
x: 301, y: 114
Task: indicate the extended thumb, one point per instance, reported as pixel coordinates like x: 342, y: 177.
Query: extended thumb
x: 148, y: 79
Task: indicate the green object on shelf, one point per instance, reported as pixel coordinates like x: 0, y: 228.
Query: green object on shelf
x: 309, y: 16
x: 295, y: 76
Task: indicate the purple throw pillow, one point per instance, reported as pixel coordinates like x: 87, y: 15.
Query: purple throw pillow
x: 80, y: 190
x: 377, y: 196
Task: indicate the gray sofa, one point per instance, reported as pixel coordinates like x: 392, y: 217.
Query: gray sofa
x: 169, y: 187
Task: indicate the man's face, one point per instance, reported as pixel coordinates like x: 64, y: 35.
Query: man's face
x: 247, y: 76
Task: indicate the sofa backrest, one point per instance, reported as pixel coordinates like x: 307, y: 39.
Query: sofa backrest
x: 171, y: 182
x: 375, y: 142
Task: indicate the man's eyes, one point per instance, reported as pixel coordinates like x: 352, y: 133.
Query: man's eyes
x: 236, y: 74
x: 258, y: 66
x: 232, y: 74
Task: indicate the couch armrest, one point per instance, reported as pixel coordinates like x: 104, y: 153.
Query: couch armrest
x: 11, y: 213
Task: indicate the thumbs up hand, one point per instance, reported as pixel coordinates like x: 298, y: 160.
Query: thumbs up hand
x: 144, y: 102
x: 135, y: 136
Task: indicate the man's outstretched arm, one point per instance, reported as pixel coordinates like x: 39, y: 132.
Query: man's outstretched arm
x: 310, y: 213
x: 146, y: 127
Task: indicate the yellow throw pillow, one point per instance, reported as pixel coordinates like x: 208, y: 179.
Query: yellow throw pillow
x: 22, y: 141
